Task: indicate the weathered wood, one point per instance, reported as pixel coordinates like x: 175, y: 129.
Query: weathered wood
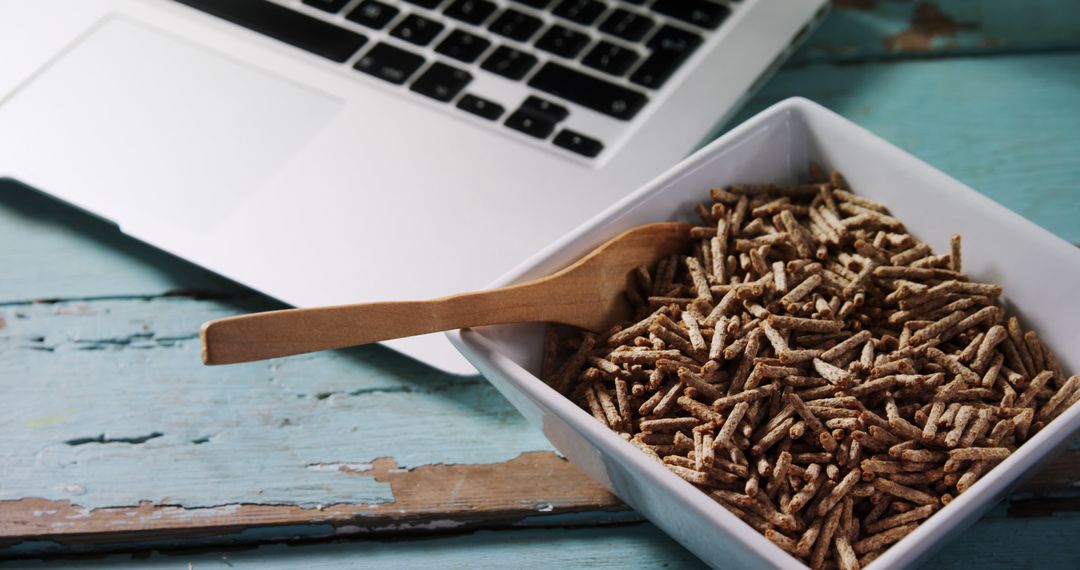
x: 862, y: 30
x: 83, y: 381
x: 424, y: 498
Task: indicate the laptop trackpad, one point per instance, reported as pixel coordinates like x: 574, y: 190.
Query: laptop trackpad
x: 155, y: 126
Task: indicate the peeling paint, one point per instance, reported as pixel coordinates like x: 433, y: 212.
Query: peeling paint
x: 928, y: 23
x: 425, y: 499
x: 343, y: 467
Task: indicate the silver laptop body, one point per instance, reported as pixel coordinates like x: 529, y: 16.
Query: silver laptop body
x: 328, y: 152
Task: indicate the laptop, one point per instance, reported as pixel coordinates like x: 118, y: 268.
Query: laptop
x: 343, y: 151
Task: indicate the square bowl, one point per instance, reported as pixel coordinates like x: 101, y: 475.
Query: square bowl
x: 1038, y: 271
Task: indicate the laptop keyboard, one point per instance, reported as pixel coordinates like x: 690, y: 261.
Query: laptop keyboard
x: 606, y: 56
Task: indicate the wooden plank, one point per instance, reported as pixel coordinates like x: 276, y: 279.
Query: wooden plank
x: 433, y: 497
x: 861, y: 30
x: 85, y: 380
x: 993, y: 542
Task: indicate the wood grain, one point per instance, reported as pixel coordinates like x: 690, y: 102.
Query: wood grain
x: 431, y: 497
x: 109, y: 357
x: 588, y: 294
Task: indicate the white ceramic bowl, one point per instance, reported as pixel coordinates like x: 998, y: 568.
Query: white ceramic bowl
x: 1039, y: 271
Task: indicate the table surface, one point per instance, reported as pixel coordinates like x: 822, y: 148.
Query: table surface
x: 116, y: 440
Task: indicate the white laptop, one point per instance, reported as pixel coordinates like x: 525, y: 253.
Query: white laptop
x: 344, y: 151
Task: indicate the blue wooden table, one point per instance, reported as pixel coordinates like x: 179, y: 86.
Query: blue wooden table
x: 119, y: 447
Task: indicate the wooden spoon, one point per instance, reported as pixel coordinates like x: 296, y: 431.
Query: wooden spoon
x: 587, y: 294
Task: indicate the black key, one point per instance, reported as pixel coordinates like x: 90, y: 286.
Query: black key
x: 509, y: 62
x: 626, y: 25
x: 390, y: 63
x: 578, y: 143
x: 698, y: 12
x: 562, y: 41
x: 287, y: 25
x: 544, y: 109
x: 588, y: 91
x: 516, y: 25
x: 417, y: 29
x: 530, y: 124
x: 635, y: 2
x: 480, y: 107
x: 463, y: 46
x: 538, y: 4
x: 441, y: 82
x: 471, y: 11
x: 373, y: 14
x: 671, y: 46
x: 429, y: 4
x: 610, y: 58
x: 331, y: 6
x: 584, y: 12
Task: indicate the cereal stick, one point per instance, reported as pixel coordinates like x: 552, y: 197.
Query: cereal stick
x: 1036, y: 350
x: 709, y: 391
x: 954, y: 252
x: 699, y: 410
x: 802, y: 324
x: 801, y: 290
x: 668, y: 424
x: 1068, y: 389
x: 806, y: 541
x: 840, y: 491
x: 837, y: 376
x: 963, y: 416
x: 922, y: 335
x: 845, y: 556
x: 623, y: 400
x: 614, y: 420
x: 917, y: 251
x: 732, y: 421
x: 884, y: 538
x: 848, y: 344
x: 826, y: 439
x: 779, y: 271
x: 886, y: 486
x: 821, y: 548
x: 594, y: 406
x: 994, y: 336
x: 977, y: 428
x: 850, y: 198
x: 697, y: 274
x: 991, y: 375
x: 980, y: 453
x: 1033, y: 388
x: 776, y: 339
x: 563, y: 376
x: 696, y: 340
x: 665, y: 403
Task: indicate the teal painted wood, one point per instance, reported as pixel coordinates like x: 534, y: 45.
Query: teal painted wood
x: 859, y: 30
x: 994, y: 542
x: 261, y: 432
x: 118, y: 359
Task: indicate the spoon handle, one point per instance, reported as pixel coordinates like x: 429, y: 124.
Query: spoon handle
x: 271, y: 334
